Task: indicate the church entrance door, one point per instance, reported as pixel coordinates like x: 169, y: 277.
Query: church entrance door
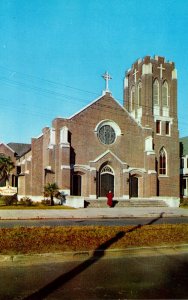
x: 106, y: 181
x: 77, y: 180
x: 133, y: 186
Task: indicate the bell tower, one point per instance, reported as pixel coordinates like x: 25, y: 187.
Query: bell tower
x: 150, y: 96
x: 150, y: 91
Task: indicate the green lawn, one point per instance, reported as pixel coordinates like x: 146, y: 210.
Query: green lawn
x: 39, y: 206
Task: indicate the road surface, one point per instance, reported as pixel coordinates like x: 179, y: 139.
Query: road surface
x: 132, y: 277
x: 86, y: 222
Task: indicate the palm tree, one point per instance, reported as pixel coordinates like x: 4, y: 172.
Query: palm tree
x: 6, y: 166
x: 51, y: 189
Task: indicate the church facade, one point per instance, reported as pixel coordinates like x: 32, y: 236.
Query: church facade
x: 130, y: 149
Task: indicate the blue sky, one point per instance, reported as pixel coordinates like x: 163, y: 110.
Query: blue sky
x: 53, y: 53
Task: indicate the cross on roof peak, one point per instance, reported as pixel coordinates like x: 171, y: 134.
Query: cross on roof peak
x: 107, y: 77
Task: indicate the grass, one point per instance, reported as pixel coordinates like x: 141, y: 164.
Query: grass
x: 33, y: 205
x: 28, y: 240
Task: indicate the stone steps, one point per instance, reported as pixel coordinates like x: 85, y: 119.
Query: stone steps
x: 126, y: 203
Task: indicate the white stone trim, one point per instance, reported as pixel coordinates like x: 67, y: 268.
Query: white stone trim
x: 38, y: 136
x: 165, y: 111
x: 148, y: 143
x: 64, y: 145
x: 105, y: 153
x: 64, y: 135
x: 92, y: 169
x: 150, y: 152
x: 52, y: 136
x: 126, y: 197
x: 92, y: 196
x: 85, y: 167
x: 162, y: 118
x: 142, y: 170
x: 65, y: 167
x: 126, y: 82
x: 174, y: 74
x: 151, y: 172
x: 147, y: 69
x: 49, y: 168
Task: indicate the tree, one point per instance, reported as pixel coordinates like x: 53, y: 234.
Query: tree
x: 50, y: 190
x: 6, y: 166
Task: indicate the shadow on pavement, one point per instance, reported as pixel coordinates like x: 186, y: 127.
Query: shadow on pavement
x: 97, y: 255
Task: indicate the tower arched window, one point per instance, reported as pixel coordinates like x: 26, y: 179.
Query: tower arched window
x: 139, y: 94
x: 156, y: 92
x: 165, y: 94
x: 132, y: 98
x: 162, y: 162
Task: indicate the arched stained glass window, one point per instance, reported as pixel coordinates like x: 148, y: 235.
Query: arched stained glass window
x: 162, y: 161
x: 133, y: 98
x: 165, y: 94
x: 156, y: 92
x: 139, y: 94
x: 106, y: 169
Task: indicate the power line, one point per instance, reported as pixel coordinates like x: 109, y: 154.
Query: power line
x: 48, y: 81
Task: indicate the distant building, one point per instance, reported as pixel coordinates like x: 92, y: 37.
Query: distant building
x: 15, y: 151
x: 184, y: 166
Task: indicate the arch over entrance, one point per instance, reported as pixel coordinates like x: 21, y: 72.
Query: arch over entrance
x: 106, y: 177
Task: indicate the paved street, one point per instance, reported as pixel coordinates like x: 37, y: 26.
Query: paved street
x: 133, y: 277
x: 87, y: 222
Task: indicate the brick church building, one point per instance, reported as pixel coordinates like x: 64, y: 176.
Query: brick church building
x: 132, y: 150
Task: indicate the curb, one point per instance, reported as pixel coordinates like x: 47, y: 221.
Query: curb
x: 30, y: 259
x: 132, y: 216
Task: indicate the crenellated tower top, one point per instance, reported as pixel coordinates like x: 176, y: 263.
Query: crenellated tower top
x: 150, y: 90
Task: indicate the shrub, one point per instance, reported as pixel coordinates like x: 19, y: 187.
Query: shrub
x: 26, y: 201
x: 9, y: 200
x: 184, y: 202
x: 46, y: 202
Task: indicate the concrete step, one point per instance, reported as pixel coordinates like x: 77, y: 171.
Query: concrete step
x: 126, y: 203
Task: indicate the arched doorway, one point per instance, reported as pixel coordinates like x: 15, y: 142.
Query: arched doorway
x: 106, y: 180
x: 133, y: 186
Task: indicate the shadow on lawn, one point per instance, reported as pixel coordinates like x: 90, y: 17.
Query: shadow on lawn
x: 97, y: 255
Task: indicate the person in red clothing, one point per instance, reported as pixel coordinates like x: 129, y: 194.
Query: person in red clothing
x: 110, y: 199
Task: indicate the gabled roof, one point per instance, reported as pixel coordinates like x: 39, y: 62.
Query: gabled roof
x: 19, y: 148
x: 8, y: 147
x: 94, y: 101
x: 98, y: 99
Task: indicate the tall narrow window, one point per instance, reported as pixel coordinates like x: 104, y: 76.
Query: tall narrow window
x: 139, y: 94
x: 165, y: 94
x: 132, y: 98
x: 158, y: 127
x: 167, y: 128
x: 156, y: 92
x: 162, y: 161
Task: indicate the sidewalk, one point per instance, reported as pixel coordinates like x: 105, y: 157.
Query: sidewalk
x: 93, y: 213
